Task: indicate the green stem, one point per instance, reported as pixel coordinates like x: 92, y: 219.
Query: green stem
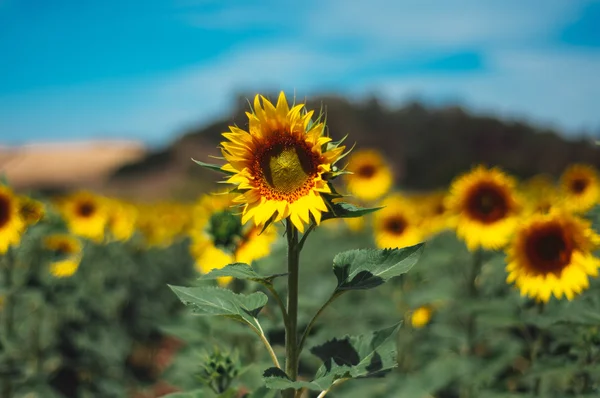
x: 535, y: 351
x: 8, y: 322
x: 335, y: 383
x: 314, y: 319
x: 263, y: 338
x: 280, y: 303
x: 291, y: 355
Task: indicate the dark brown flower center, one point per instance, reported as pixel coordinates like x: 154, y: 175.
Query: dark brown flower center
x: 285, y: 168
x: 395, y: 225
x: 86, y: 209
x: 579, y: 185
x: 5, y: 210
x: 487, y: 203
x: 366, y: 171
x: 549, y: 249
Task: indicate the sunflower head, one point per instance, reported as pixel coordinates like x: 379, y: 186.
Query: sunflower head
x: 435, y: 215
x: 121, y: 219
x: 371, y: 176
x: 397, y: 224
x: 541, y: 195
x: 67, y: 250
x: 281, y: 164
x: 11, y: 223
x: 421, y: 317
x: 551, y: 254
x: 486, y: 205
x: 31, y: 210
x: 580, y: 187
x: 86, y: 214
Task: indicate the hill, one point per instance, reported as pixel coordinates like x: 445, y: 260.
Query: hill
x: 426, y: 146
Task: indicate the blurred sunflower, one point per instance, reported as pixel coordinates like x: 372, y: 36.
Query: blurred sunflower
x: 540, y: 194
x: 371, y: 176
x: 397, y: 224
x: 160, y: 224
x: 85, y: 214
x: 280, y: 163
x: 121, y: 219
x: 435, y: 215
x: 580, y: 187
x: 31, y: 210
x: 552, y: 254
x: 219, y: 238
x: 421, y: 317
x: 487, y: 206
x: 11, y: 223
x: 69, y: 251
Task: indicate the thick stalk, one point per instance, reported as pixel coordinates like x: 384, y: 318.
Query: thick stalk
x: 8, y: 321
x: 291, y: 333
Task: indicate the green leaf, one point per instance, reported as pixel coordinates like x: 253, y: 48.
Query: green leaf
x: 347, y: 210
x: 369, y: 355
x: 594, y: 216
x: 189, y: 394
x: 215, y: 301
x: 262, y: 392
x: 240, y: 271
x: 213, y: 167
x: 369, y: 268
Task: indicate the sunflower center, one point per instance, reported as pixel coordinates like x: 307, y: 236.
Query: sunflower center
x: 86, y: 209
x: 366, y: 171
x: 286, y: 168
x: 579, y: 185
x: 225, y: 229
x: 4, y: 210
x: 549, y: 250
x: 396, y: 225
x: 487, y: 204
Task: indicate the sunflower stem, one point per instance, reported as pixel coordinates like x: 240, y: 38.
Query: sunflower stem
x: 291, y: 332
x: 8, y: 321
x: 314, y: 319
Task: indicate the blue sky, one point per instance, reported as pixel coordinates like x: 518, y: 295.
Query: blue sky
x: 147, y: 70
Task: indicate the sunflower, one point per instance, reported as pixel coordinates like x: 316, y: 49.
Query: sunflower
x: 121, y: 219
x: 487, y: 206
x: 219, y: 238
x: 581, y: 187
x: 68, y: 250
x: 280, y: 165
x: 421, y: 317
x: 371, y: 176
x: 31, y: 210
x: 85, y: 214
x: 540, y: 194
x: 11, y: 223
x: 397, y: 224
x: 435, y: 215
x: 551, y: 254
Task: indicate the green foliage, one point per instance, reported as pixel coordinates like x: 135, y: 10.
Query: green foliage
x: 240, y: 271
x: 346, y: 210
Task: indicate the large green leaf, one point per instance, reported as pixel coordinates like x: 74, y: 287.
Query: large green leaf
x: 215, y: 301
x: 369, y: 268
x: 240, y: 271
x: 347, y: 210
x: 369, y: 355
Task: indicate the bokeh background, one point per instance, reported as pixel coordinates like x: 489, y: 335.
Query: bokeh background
x: 89, y: 87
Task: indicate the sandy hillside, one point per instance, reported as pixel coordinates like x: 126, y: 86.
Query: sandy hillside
x: 66, y: 165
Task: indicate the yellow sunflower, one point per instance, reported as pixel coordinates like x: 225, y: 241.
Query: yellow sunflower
x: 551, y: 254
x: 280, y: 164
x: 435, y: 215
x: 68, y: 248
x: 487, y: 207
x: 397, y: 224
x: 11, y: 223
x: 581, y: 187
x: 540, y: 194
x: 85, y: 214
x: 421, y: 317
x: 371, y: 176
x: 121, y: 219
x: 219, y: 238
x: 31, y: 210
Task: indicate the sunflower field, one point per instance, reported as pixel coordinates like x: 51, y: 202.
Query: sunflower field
x: 485, y: 288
